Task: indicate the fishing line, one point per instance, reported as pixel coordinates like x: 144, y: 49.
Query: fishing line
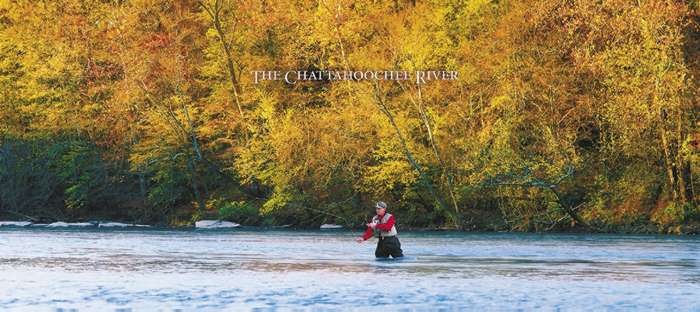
x: 351, y: 225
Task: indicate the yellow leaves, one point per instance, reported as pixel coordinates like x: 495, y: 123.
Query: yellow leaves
x: 537, y: 78
x: 669, y: 216
x: 390, y: 169
x: 643, y: 74
x: 267, y: 107
x: 422, y: 43
x: 502, y: 105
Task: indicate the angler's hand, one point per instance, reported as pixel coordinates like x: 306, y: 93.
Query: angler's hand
x: 359, y: 240
x: 371, y: 225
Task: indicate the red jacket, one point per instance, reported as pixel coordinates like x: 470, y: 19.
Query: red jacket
x: 384, y: 227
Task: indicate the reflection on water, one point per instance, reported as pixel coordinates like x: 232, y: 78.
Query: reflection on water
x: 95, y: 269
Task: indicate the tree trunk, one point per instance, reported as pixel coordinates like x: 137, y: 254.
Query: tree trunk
x: 421, y: 176
x: 216, y: 21
x: 680, y: 160
x: 431, y: 139
x: 669, y: 164
x: 195, y: 189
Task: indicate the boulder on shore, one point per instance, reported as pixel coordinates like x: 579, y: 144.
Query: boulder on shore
x: 331, y: 226
x: 215, y: 224
x: 15, y: 223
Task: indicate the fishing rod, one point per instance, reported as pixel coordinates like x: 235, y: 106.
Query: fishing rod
x: 351, y: 225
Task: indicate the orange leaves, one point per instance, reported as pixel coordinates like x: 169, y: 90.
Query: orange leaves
x: 157, y: 41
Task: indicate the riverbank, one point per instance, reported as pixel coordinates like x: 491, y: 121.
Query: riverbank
x: 692, y: 228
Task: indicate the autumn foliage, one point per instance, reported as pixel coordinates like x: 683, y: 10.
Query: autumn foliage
x: 566, y: 114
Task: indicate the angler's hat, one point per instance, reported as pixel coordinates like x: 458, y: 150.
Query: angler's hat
x: 380, y: 204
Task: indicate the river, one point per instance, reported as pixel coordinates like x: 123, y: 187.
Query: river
x: 245, y: 269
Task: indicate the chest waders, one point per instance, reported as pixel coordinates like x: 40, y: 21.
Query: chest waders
x: 388, y: 244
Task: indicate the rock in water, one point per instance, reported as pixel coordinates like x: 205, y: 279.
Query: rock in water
x: 66, y: 224
x: 215, y: 224
x: 112, y: 224
x: 58, y: 224
x: 15, y: 223
x: 331, y: 226
x: 81, y: 224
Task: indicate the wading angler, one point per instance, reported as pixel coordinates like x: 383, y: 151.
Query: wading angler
x: 384, y: 228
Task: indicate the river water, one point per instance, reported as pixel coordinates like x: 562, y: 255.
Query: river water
x: 166, y: 270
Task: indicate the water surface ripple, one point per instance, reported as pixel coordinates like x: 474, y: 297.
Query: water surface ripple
x: 165, y: 270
